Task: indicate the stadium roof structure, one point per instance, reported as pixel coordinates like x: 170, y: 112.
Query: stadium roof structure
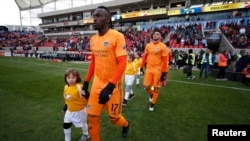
x: 32, y: 4
x: 29, y: 9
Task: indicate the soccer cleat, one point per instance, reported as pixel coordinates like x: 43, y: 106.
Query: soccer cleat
x: 131, y: 96
x: 125, y: 131
x: 192, y: 77
x: 124, y: 103
x: 151, y: 108
x: 84, y: 137
x: 137, y: 85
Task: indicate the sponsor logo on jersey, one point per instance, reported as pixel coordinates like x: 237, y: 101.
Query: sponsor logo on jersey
x: 106, y: 44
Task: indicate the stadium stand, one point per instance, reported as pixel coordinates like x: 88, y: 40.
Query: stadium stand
x: 218, y: 25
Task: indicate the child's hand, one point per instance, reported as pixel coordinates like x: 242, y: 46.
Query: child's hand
x: 82, y: 93
x: 85, y: 94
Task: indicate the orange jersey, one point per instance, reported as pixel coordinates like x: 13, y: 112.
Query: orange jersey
x: 73, y: 99
x: 106, y: 49
x: 155, y: 53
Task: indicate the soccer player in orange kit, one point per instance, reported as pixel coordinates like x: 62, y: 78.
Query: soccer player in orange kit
x: 108, y: 63
x: 155, y: 55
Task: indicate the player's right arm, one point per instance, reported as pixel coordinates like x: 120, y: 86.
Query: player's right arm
x: 91, y: 68
x: 145, y: 57
x: 89, y: 75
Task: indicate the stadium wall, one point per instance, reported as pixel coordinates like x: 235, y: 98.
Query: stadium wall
x: 114, y: 3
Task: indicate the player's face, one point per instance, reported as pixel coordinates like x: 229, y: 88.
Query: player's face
x: 71, y: 79
x: 156, y: 36
x: 100, y: 19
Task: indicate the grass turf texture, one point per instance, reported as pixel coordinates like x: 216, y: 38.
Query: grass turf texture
x: 31, y: 101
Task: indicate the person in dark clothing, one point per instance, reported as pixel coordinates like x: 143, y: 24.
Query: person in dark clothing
x: 190, y: 62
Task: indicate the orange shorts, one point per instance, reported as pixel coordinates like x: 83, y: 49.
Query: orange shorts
x: 152, y: 79
x: 113, y: 106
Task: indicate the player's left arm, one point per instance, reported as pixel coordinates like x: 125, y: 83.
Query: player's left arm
x: 164, y: 64
x: 122, y: 60
x: 164, y: 59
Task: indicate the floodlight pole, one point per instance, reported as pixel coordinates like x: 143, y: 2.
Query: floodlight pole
x: 30, y: 19
x: 20, y: 17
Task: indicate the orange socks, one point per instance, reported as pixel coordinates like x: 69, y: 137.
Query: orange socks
x: 119, y: 121
x: 155, y: 97
x: 94, y: 127
x: 150, y: 92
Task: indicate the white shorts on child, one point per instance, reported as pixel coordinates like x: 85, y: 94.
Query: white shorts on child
x: 129, y: 79
x: 78, y: 118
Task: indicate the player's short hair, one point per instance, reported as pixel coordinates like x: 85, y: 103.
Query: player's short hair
x: 73, y: 72
x: 158, y: 30
x: 107, y: 10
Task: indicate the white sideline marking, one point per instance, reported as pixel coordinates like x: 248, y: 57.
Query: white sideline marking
x: 193, y: 83
x: 45, y: 64
x: 202, y: 84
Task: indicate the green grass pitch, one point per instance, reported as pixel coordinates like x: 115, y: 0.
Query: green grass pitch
x: 31, y: 101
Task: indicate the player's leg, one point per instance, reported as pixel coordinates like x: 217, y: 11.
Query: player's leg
x: 127, y: 89
x: 127, y: 94
x: 131, y: 82
x: 137, y: 77
x: 114, y: 109
x: 67, y: 126
x: 148, y: 81
x: 129, y: 79
x: 155, y: 91
x: 94, y: 110
x: 83, y: 124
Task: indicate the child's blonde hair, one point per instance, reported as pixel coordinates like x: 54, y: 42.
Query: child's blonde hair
x: 73, y: 72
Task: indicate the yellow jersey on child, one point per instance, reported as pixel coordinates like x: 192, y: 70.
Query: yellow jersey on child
x: 73, y: 99
x: 130, y: 68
